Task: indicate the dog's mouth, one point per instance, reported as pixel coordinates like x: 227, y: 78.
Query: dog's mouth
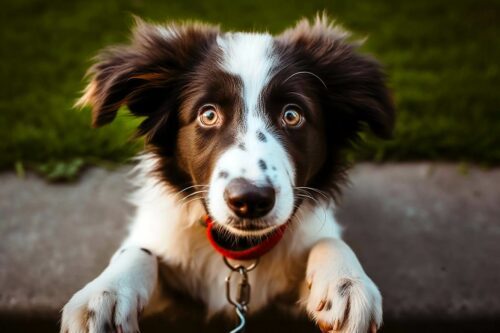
x: 243, y: 245
x: 236, y: 239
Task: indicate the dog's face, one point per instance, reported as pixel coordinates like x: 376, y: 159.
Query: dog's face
x: 250, y: 130
x: 245, y: 122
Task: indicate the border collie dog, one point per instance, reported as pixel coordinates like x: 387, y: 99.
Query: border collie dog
x: 251, y: 130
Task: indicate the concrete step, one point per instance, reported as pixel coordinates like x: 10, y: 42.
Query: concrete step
x: 428, y: 234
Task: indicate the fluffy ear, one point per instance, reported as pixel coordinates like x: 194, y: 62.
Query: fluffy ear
x: 147, y: 74
x: 357, y: 91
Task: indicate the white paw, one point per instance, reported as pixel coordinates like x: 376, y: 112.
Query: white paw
x: 113, y: 301
x: 102, y: 308
x: 348, y: 304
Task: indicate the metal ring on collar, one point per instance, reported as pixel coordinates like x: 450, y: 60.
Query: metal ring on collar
x: 239, y: 267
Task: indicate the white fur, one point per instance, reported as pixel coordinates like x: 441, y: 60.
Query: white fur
x: 250, y: 57
x: 115, y: 297
x: 363, y: 296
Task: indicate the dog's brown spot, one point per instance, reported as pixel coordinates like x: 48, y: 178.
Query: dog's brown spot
x: 87, y: 317
x: 344, y: 288
x: 90, y: 314
x: 262, y: 165
x: 346, y: 312
x: 113, y: 310
x: 108, y: 327
x: 146, y: 251
x: 261, y: 136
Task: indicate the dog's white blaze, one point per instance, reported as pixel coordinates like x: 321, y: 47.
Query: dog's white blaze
x: 250, y: 58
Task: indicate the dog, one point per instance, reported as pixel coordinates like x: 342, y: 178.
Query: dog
x: 252, y: 130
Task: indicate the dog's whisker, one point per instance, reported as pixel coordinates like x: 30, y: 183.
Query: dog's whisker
x: 308, y: 197
x: 189, y: 201
x: 305, y: 188
x: 310, y: 190
x: 203, y: 190
x: 325, y: 214
x: 190, y: 187
x: 297, y: 219
x: 192, y: 194
x: 296, y: 215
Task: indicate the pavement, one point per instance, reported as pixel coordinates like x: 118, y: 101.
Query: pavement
x: 428, y: 234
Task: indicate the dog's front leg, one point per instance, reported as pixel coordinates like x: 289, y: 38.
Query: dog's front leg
x: 340, y: 296
x: 113, y: 301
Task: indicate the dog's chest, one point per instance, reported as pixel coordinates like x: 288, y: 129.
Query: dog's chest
x: 202, y: 274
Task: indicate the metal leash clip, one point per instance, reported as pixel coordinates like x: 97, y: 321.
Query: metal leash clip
x: 242, y: 292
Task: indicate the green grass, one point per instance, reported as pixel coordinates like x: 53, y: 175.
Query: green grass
x: 442, y: 57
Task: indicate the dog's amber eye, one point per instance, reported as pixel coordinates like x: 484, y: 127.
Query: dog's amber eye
x: 292, y: 116
x: 208, y: 115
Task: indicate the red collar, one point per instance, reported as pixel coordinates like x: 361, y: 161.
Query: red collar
x: 247, y: 254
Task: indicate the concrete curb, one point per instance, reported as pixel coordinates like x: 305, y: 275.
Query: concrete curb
x: 427, y: 234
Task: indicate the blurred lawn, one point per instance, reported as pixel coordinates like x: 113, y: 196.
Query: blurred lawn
x: 442, y: 56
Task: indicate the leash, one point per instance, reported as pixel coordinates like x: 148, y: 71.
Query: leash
x: 243, y: 291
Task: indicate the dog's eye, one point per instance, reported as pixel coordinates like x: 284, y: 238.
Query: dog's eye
x: 208, y: 115
x: 292, y: 116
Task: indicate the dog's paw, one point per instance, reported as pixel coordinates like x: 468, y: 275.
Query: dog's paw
x: 344, y: 304
x: 102, y: 307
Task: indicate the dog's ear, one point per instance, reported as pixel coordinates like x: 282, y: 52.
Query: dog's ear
x: 356, y: 88
x: 146, y: 74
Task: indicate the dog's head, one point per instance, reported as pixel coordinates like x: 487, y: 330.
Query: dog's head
x: 249, y: 122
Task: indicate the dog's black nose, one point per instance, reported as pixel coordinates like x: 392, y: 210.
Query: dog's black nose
x: 247, y: 200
